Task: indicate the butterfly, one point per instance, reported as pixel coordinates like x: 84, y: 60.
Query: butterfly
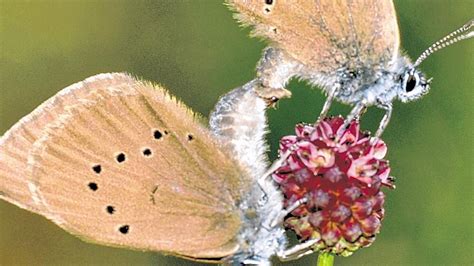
x: 351, y: 49
x: 120, y: 162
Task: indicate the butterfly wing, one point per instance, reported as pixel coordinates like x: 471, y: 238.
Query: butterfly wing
x: 128, y: 165
x: 17, y: 142
x: 325, y: 33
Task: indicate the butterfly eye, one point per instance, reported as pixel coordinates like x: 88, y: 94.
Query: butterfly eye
x: 411, y: 82
x: 413, y: 86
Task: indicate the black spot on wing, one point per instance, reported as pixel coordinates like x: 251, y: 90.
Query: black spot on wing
x: 124, y: 229
x: 157, y: 134
x: 120, y: 157
x: 190, y: 137
x: 93, y: 186
x: 147, y: 152
x: 97, y: 168
x: 110, y: 209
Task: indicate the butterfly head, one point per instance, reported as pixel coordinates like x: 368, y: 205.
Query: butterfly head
x: 413, y: 85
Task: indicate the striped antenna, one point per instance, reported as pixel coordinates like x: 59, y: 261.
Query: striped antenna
x: 465, y: 32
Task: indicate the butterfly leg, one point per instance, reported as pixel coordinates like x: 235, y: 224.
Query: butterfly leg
x: 328, y: 103
x: 355, y: 114
x: 386, y: 118
x: 262, y: 181
x: 288, y: 210
x: 298, y: 250
x: 274, y: 70
x: 282, y: 158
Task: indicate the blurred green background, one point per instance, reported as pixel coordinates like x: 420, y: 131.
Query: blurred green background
x: 199, y: 52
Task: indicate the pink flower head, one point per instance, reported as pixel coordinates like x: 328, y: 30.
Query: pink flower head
x: 339, y: 172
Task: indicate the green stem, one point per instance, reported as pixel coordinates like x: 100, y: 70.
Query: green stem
x: 325, y: 259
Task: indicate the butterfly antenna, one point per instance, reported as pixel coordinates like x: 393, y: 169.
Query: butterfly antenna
x: 465, y: 32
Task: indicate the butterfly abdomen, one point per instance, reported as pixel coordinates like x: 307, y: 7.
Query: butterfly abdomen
x: 239, y: 122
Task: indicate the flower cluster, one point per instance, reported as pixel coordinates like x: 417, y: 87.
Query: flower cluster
x: 339, y: 172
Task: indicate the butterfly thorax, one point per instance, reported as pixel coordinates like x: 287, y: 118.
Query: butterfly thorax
x: 371, y: 84
x: 356, y: 79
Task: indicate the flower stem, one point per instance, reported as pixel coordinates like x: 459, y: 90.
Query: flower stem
x: 325, y: 259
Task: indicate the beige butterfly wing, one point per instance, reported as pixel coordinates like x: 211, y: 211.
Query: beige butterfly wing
x: 16, y: 144
x: 325, y: 33
x: 130, y: 166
